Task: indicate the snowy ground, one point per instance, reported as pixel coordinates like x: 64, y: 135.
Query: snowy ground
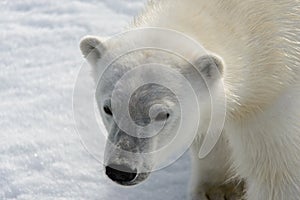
x: 41, y: 156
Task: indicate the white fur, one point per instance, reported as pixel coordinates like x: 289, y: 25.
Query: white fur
x: 260, y: 43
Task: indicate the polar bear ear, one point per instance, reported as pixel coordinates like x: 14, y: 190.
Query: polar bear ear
x: 211, y: 66
x: 92, y: 48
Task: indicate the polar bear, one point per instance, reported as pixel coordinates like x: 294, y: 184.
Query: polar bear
x: 255, y: 46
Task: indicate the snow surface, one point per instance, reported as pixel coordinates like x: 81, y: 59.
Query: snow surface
x: 41, y: 156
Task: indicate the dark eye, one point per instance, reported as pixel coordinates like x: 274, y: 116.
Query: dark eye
x: 107, y: 110
x: 162, y: 116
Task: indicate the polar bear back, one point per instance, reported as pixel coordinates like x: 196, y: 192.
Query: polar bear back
x: 257, y: 40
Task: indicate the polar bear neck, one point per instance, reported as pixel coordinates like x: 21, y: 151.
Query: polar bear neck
x: 246, y: 35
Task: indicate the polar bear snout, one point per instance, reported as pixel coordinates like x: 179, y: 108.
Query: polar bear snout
x: 125, y: 160
x: 121, y: 174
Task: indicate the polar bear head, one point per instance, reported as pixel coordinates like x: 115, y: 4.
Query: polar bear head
x: 141, y: 115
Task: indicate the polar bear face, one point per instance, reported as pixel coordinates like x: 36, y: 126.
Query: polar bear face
x: 128, y: 156
x: 142, y: 117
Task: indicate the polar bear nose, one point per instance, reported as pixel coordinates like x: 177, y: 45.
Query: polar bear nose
x: 120, y: 173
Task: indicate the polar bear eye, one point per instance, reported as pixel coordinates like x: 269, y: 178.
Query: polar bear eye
x: 162, y: 116
x: 107, y: 110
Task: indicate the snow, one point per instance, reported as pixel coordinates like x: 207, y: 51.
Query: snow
x: 41, y: 155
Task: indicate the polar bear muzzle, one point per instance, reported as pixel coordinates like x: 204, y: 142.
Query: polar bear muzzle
x: 121, y: 174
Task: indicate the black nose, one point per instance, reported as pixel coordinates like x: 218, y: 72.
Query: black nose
x: 120, y: 173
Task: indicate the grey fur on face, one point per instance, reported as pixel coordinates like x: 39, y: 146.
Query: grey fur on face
x: 153, y: 111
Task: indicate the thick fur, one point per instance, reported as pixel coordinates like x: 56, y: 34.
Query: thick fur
x: 259, y: 42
